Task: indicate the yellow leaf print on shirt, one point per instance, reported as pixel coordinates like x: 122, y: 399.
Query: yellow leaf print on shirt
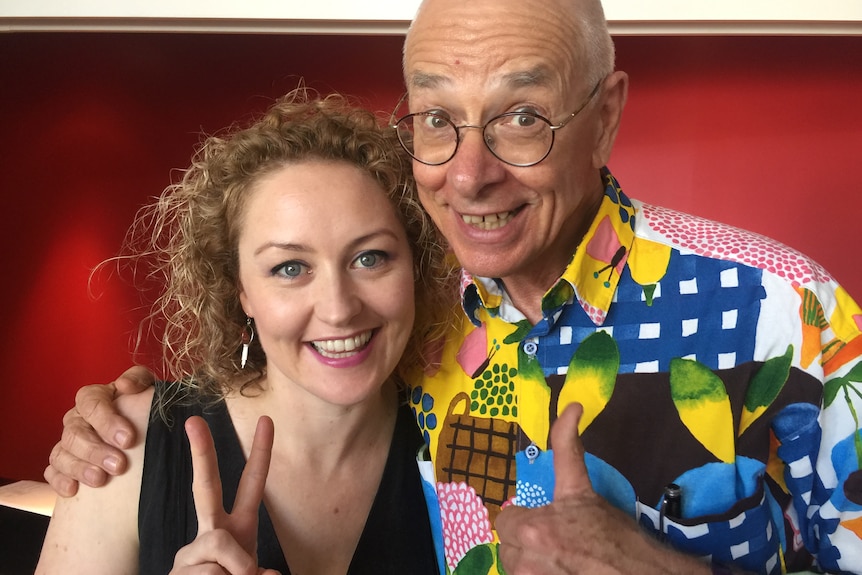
x: 533, y: 413
x: 846, y: 319
x: 703, y: 406
x: 591, y: 377
x: 647, y: 263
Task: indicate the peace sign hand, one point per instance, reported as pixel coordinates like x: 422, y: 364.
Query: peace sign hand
x: 226, y: 542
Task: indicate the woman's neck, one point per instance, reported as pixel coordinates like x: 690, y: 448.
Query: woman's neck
x: 312, y: 432
x: 327, y: 463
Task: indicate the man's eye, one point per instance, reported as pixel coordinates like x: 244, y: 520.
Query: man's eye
x: 524, y: 120
x: 435, y: 121
x: 289, y: 269
x: 519, y: 119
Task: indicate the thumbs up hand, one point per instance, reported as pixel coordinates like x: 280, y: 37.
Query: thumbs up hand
x: 580, y: 532
x: 226, y: 542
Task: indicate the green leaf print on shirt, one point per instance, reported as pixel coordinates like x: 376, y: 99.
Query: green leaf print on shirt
x: 765, y: 387
x: 849, y: 384
x: 477, y: 561
x: 703, y: 406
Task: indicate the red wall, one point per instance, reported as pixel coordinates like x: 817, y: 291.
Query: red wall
x: 764, y: 133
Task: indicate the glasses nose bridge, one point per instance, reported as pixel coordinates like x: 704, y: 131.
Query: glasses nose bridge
x: 469, y: 127
x: 481, y: 128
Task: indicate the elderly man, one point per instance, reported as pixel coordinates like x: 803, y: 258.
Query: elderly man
x: 702, y: 382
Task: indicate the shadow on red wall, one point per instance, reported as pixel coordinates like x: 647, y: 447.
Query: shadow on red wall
x: 763, y: 133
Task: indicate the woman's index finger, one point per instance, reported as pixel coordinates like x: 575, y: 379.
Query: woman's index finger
x: 206, y: 483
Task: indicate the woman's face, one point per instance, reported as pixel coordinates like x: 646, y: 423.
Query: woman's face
x: 327, y: 274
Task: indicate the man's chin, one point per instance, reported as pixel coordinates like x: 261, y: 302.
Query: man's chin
x: 493, y: 266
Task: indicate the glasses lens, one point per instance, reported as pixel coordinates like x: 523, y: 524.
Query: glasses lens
x: 519, y: 138
x: 429, y: 138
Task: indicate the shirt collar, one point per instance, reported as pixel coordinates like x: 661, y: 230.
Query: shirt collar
x: 591, y: 276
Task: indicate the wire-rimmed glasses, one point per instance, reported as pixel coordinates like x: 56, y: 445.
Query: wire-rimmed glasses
x: 519, y: 138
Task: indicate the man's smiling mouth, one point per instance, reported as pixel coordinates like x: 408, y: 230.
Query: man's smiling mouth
x: 489, y: 221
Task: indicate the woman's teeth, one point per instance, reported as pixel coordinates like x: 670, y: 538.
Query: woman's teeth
x: 341, y: 347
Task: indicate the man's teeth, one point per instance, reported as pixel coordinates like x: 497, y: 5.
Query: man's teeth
x: 341, y: 347
x: 488, y: 222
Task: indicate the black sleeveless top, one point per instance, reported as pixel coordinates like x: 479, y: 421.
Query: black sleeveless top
x: 397, y: 534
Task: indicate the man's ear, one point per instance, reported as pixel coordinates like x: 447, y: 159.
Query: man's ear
x: 615, y: 89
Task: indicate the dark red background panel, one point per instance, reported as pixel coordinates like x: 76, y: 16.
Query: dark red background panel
x: 760, y: 132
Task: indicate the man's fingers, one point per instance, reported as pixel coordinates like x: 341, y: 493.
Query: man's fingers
x: 63, y: 464
x: 62, y: 485
x: 253, y: 481
x: 95, y: 405
x: 134, y: 380
x: 206, y: 482
x: 83, y: 443
x: 570, y: 471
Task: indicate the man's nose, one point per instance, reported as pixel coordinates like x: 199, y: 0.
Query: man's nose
x: 474, y: 166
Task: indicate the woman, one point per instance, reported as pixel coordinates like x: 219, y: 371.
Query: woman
x: 300, y: 280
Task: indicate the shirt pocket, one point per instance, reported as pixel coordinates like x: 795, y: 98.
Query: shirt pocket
x: 748, y: 535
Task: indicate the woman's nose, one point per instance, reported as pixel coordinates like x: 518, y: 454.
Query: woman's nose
x: 338, y: 300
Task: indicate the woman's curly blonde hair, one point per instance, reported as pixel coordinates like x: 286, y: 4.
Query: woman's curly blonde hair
x: 188, y: 237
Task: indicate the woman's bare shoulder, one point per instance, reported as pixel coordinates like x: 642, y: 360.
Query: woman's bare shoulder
x: 95, y: 531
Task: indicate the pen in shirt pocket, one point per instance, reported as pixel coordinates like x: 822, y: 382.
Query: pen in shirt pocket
x: 671, y: 505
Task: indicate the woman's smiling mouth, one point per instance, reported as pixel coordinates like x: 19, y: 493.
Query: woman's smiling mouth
x: 340, y: 348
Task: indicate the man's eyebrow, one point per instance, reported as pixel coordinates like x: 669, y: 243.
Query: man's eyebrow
x: 426, y: 80
x: 537, y: 76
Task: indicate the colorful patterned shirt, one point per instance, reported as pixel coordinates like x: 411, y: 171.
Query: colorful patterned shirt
x: 704, y: 356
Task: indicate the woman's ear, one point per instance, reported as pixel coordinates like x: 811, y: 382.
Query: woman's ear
x: 614, y: 92
x: 243, y: 301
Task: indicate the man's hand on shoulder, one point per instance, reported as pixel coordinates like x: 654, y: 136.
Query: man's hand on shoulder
x: 94, y: 435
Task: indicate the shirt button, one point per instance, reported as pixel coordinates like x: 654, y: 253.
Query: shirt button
x: 532, y: 452
x: 531, y: 347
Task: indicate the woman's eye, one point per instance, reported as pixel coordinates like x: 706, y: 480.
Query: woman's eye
x: 370, y: 259
x: 289, y: 269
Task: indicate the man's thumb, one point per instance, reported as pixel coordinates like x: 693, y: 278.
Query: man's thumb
x: 570, y: 471
x: 134, y: 380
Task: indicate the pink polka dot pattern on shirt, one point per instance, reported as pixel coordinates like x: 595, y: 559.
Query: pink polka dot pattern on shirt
x: 465, y: 520
x: 466, y: 280
x: 597, y: 315
x: 724, y: 242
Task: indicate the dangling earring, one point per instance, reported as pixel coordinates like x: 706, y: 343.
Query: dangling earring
x: 247, y: 338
